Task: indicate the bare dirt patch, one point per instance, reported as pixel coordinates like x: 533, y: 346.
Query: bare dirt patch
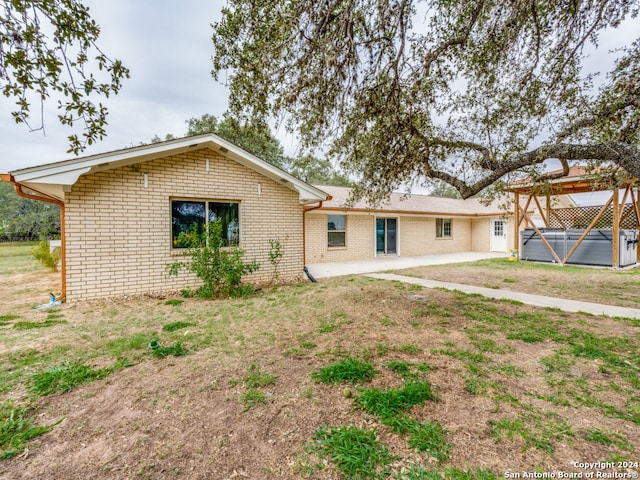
x: 186, y: 417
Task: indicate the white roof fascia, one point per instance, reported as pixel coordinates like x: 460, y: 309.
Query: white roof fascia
x: 67, y: 173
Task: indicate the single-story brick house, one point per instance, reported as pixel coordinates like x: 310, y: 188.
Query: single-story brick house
x: 407, y: 225
x: 122, y: 212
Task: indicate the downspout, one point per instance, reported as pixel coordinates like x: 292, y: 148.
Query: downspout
x: 304, y: 226
x: 43, y: 197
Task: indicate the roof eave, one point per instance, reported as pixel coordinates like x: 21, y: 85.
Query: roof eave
x: 66, y: 173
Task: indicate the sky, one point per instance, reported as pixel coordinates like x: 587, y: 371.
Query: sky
x: 167, y: 47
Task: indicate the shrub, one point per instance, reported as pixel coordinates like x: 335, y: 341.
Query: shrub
x: 47, y: 258
x: 275, y: 256
x: 220, y: 268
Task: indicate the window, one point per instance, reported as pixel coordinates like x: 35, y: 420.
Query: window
x: 337, y: 227
x: 443, y: 227
x: 187, y: 214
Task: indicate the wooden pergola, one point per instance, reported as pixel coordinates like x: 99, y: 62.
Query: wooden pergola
x: 578, y: 181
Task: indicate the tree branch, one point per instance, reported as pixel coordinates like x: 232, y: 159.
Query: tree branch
x: 440, y: 49
x: 625, y: 155
x: 632, y: 100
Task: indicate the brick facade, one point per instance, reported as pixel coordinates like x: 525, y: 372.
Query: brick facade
x: 416, y: 236
x: 118, y: 233
x: 360, y: 238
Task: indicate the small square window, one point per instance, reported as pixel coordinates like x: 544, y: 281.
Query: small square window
x: 337, y: 230
x: 443, y: 227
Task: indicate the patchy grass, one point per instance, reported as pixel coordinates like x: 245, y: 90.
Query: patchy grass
x: 539, y: 431
x: 174, y: 302
x: 267, y: 392
x: 252, y: 398
x: 390, y: 402
x: 173, y: 326
x: 177, y: 349
x: 426, y: 437
x: 15, y: 257
x: 30, y: 325
x: 356, y: 452
x: 70, y: 375
x: 16, y: 429
x: 257, y: 378
x: 347, y: 370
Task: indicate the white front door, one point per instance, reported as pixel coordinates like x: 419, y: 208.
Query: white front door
x: 498, y: 241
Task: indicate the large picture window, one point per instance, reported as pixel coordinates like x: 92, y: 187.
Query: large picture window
x: 337, y: 228
x: 443, y: 227
x: 187, y: 215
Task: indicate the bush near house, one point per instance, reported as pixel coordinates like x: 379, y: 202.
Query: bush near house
x: 220, y: 268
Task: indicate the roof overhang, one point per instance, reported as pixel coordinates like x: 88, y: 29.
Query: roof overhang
x: 582, y: 182
x: 55, y: 179
x: 416, y: 213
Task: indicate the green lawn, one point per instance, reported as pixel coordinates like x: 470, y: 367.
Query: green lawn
x: 15, y: 257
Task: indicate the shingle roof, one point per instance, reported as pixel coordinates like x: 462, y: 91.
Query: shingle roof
x: 412, y: 204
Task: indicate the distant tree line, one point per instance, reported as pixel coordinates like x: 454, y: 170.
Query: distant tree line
x: 24, y: 219
x: 258, y: 140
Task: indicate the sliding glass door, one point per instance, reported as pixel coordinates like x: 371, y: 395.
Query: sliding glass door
x: 386, y: 236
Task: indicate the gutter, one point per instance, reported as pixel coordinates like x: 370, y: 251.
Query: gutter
x: 304, y: 226
x: 43, y: 197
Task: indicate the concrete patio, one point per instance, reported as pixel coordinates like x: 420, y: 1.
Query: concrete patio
x: 384, y: 263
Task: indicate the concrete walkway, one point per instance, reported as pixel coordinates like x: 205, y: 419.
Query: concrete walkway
x: 536, y: 300
x: 382, y: 264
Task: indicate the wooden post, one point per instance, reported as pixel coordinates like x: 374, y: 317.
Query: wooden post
x: 634, y: 202
x: 516, y: 227
x: 615, y: 232
x: 548, y: 219
x: 544, y: 216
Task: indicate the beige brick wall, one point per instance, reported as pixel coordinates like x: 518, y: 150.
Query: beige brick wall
x: 480, y: 234
x: 118, y: 234
x: 359, y: 238
x: 417, y: 236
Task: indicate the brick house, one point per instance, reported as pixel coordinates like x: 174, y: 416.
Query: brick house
x: 407, y: 225
x: 122, y: 213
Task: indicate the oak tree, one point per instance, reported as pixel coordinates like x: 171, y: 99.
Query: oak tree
x: 466, y: 92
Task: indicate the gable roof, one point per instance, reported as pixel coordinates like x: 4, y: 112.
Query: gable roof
x: 412, y: 204
x: 53, y: 179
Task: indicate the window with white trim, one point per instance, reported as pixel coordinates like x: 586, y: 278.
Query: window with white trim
x: 187, y: 215
x: 443, y: 227
x: 337, y: 231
